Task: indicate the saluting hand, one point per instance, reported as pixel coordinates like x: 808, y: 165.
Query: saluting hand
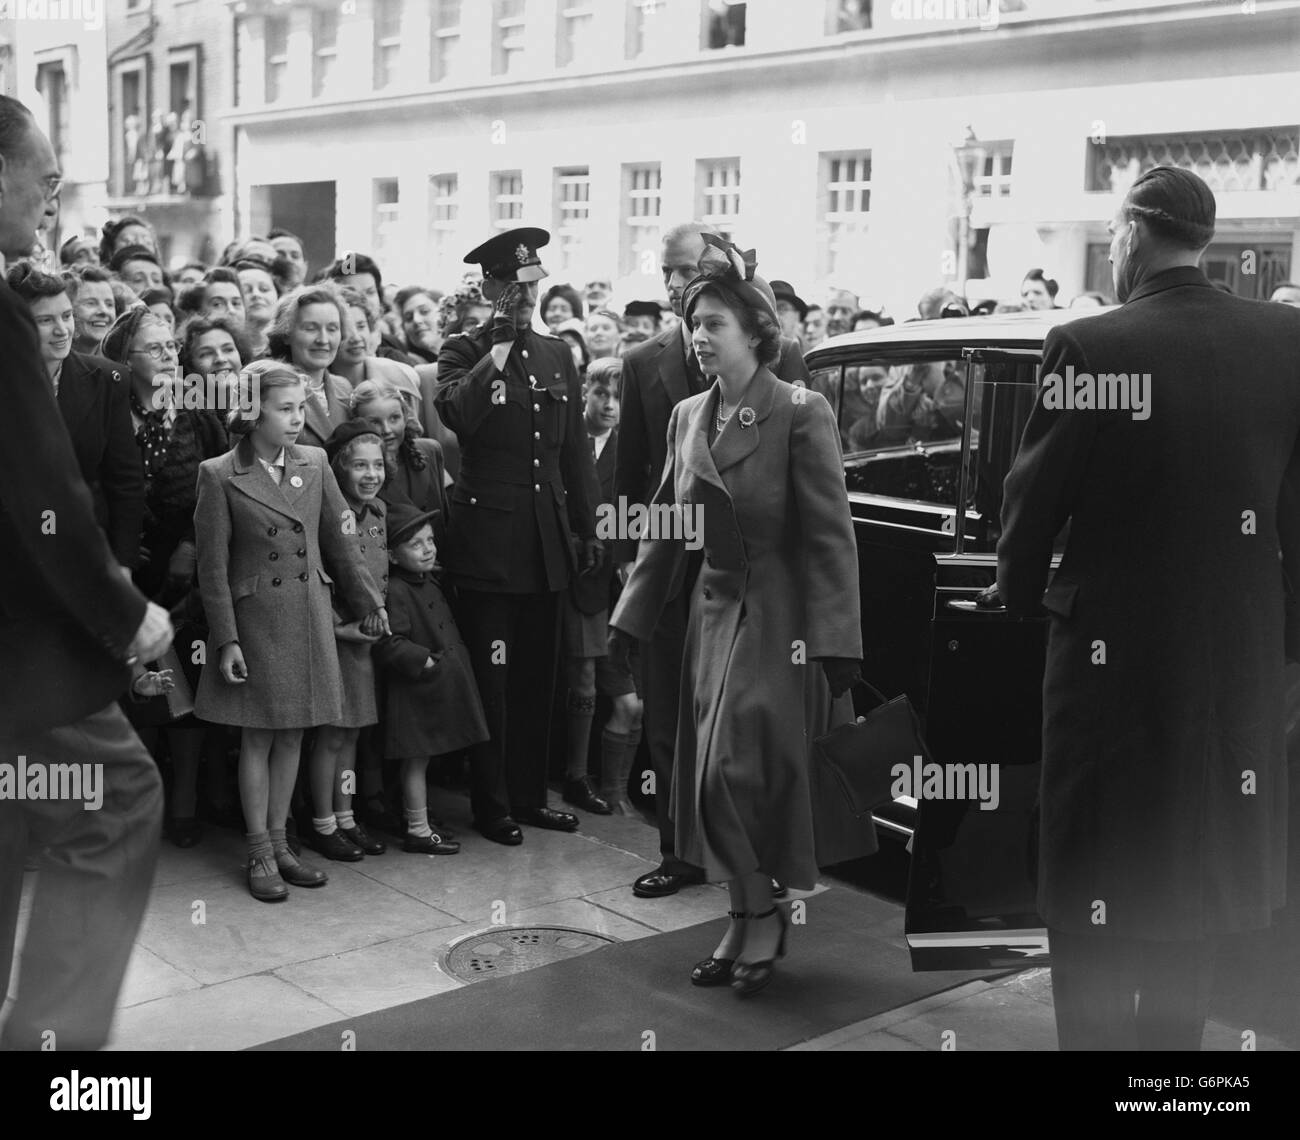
x: 504, y: 313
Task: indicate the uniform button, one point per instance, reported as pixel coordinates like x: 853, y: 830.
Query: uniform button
x: 273, y: 555
x: 537, y: 462
x: 525, y: 354
x: 473, y: 502
x: 537, y: 407
x: 303, y: 553
x: 537, y: 435
x: 537, y: 486
x: 532, y: 379
x: 302, y: 577
x: 272, y: 531
x: 275, y: 581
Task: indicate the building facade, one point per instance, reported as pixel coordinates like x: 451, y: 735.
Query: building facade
x: 170, y: 77
x: 829, y: 135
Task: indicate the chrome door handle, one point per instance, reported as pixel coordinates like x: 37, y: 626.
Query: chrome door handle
x: 968, y: 607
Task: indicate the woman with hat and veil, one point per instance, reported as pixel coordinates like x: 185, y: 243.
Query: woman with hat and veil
x: 774, y: 611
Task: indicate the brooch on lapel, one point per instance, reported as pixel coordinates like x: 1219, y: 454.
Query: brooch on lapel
x: 747, y: 417
x: 296, y: 481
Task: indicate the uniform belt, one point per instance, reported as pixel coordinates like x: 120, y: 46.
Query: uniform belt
x: 508, y: 469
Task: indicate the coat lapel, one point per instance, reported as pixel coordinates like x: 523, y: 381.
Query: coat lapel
x: 672, y: 368
x: 317, y: 421
x: 251, y: 478
x: 696, y: 456
x: 736, y: 440
x: 76, y: 395
x: 297, y: 468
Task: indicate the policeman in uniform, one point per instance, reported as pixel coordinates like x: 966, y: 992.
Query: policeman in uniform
x: 522, y: 521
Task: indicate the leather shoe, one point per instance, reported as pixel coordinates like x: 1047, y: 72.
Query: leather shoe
x: 503, y: 830
x: 336, y: 846
x: 659, y: 883
x: 264, y: 881
x: 358, y: 836
x: 295, y: 874
x: 548, y: 818
x: 429, y: 845
x: 581, y: 794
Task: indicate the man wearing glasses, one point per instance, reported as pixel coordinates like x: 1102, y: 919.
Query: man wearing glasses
x: 71, y: 624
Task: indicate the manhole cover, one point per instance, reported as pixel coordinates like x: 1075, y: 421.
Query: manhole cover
x: 513, y: 949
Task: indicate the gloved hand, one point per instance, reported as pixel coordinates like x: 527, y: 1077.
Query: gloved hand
x: 503, y: 315
x: 842, y: 673
x: 592, y: 553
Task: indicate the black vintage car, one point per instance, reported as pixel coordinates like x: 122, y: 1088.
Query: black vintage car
x: 931, y: 414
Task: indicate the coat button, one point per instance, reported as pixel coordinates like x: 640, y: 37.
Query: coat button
x: 302, y: 577
x: 532, y: 379
x: 537, y: 407
x: 525, y: 354
x: 297, y: 528
x: 272, y: 531
x: 303, y: 553
x: 707, y: 592
x: 537, y: 435
x: 537, y: 462
x: 537, y: 486
x: 273, y: 555
x: 473, y: 502
x: 275, y: 581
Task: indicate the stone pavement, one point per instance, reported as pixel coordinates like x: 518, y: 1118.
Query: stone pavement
x: 215, y: 969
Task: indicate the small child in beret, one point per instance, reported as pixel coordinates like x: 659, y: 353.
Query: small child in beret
x: 431, y: 700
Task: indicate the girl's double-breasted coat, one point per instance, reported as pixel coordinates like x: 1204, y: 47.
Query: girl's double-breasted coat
x: 778, y: 589
x: 263, y: 550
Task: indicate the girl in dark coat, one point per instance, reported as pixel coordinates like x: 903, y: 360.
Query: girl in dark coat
x: 432, y: 703
x: 357, y: 460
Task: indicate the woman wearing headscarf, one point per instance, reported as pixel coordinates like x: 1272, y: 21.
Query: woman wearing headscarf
x: 774, y: 611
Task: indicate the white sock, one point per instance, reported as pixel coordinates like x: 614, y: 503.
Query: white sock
x: 326, y: 826
x: 345, y: 819
x: 417, y: 823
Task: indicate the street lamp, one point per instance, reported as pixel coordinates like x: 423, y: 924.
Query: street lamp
x: 969, y: 154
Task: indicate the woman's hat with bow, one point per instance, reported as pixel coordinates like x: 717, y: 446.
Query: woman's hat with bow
x: 725, y: 264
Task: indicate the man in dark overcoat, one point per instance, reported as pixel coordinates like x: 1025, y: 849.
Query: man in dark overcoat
x: 658, y: 375
x: 1167, y: 434
x: 71, y: 623
x: 523, y: 521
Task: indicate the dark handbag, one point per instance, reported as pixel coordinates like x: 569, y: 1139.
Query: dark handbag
x: 860, y: 757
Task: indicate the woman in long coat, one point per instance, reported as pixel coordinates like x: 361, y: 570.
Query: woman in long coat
x: 757, y: 462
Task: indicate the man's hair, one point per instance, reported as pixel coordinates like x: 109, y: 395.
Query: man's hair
x: 1176, y: 205
x: 676, y: 233
x: 113, y: 227
x: 605, y: 372
x: 16, y: 123
x: 279, y: 233
x: 360, y: 263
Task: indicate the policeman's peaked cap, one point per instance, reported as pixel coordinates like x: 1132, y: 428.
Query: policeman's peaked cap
x: 512, y: 255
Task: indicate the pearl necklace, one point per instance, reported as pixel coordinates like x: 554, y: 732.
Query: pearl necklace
x: 719, y: 420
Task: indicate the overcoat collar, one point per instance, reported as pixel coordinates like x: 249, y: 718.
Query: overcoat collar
x: 671, y: 363
x: 1169, y: 279
x: 254, y: 481
x: 76, y: 396
x: 317, y: 420
x: 736, y: 440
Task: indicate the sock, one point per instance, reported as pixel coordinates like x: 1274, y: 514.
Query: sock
x: 259, y: 845
x: 280, y: 847
x: 346, y: 821
x: 581, y: 710
x: 617, y: 750
x: 326, y: 825
x: 417, y: 823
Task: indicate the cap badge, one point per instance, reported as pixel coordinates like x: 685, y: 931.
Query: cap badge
x: 522, y: 253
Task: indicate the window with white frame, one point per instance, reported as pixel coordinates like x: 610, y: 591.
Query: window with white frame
x: 444, y: 39
x: 277, y: 56
x: 52, y: 85
x: 572, y: 213
x: 845, y: 208
x: 642, y: 227
x: 325, y: 50
x: 576, y: 40
x: 847, y: 16
x: 508, y: 40
x: 385, y: 237
x: 444, y: 220
x: 723, y: 24
x: 993, y: 178
x: 388, y: 41
x: 507, y: 199
x: 718, y: 193
x: 131, y: 124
